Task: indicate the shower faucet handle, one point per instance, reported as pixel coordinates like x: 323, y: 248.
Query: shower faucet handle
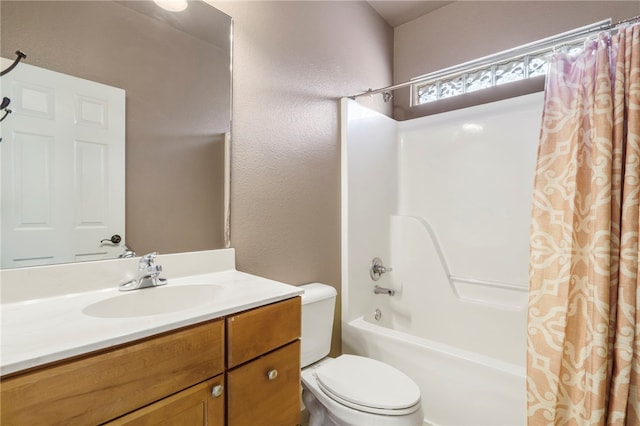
x: 377, y: 268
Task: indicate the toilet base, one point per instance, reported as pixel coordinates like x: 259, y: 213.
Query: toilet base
x: 318, y: 415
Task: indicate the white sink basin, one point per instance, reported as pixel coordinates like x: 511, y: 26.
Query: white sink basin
x: 155, y: 301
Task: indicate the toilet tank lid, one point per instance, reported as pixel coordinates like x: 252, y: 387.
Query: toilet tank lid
x: 315, y: 292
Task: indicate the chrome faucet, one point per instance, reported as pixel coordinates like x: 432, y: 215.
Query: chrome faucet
x: 377, y: 268
x: 148, y: 274
x: 382, y: 290
x: 127, y: 253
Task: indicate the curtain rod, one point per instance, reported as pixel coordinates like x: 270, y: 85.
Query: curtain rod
x: 549, y: 42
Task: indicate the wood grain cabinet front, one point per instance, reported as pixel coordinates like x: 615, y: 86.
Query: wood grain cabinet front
x: 263, y: 362
x: 257, y: 331
x: 105, y: 385
x: 266, y: 391
x: 200, y: 405
x: 175, y: 378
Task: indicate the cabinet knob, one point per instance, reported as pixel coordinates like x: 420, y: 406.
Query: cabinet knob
x: 272, y: 374
x: 217, y: 390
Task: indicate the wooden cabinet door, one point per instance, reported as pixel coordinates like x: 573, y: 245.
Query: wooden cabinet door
x: 258, y: 331
x: 100, y: 387
x: 266, y: 391
x: 197, y: 406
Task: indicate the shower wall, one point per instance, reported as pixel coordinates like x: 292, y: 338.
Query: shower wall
x: 369, y: 198
x: 469, y: 173
x: 445, y: 201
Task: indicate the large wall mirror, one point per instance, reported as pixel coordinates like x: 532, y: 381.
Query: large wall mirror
x: 123, y: 72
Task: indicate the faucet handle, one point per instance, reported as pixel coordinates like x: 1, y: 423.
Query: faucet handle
x: 147, y: 260
x: 154, y: 270
x: 377, y: 268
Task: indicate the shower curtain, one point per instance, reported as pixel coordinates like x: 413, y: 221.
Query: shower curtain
x: 583, y: 332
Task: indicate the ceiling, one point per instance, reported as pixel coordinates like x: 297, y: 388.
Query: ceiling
x: 398, y: 12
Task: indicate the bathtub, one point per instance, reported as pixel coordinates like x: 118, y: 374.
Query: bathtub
x: 458, y: 387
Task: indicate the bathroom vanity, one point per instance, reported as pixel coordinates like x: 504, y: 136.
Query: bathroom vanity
x: 233, y: 358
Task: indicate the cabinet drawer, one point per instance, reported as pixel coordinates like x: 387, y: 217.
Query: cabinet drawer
x: 255, y: 332
x: 196, y: 406
x: 254, y: 398
x: 103, y: 386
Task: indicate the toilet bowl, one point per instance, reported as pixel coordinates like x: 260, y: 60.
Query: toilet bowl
x: 349, y: 390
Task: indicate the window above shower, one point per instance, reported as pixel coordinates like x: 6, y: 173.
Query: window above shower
x: 516, y: 64
x: 514, y: 69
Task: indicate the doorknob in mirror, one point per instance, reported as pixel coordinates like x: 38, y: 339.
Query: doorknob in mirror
x: 115, y: 239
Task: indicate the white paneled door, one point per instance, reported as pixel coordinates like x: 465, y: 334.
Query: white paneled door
x: 62, y: 159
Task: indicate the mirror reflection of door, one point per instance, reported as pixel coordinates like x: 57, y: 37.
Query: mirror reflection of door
x: 67, y: 134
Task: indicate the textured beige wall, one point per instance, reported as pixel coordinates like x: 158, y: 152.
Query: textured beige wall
x: 468, y: 30
x: 175, y: 123
x: 292, y: 61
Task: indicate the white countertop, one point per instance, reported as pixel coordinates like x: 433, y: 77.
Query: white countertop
x: 39, y: 331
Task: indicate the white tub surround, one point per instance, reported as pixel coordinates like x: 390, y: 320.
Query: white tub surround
x: 445, y: 202
x: 45, y: 314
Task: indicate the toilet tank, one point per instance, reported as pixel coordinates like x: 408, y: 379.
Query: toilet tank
x: 318, y: 303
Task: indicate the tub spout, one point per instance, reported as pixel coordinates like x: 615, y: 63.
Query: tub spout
x: 381, y: 290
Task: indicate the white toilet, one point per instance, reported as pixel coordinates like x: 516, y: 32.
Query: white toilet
x: 349, y: 390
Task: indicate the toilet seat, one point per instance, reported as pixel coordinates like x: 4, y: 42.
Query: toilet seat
x: 368, y: 385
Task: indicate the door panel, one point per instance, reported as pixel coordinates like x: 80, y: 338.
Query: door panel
x: 62, y: 168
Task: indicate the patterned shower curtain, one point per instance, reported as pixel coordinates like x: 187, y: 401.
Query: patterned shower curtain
x: 583, y: 332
